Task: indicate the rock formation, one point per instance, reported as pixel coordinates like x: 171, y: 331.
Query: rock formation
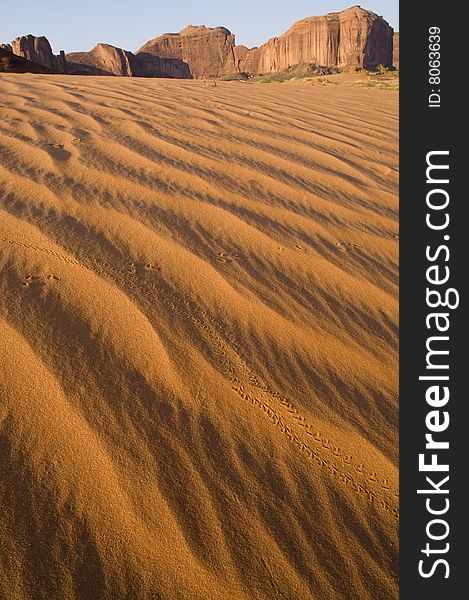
x: 38, y: 50
x: 103, y: 59
x: 395, y: 52
x: 196, y: 51
x: 351, y: 37
x: 11, y: 63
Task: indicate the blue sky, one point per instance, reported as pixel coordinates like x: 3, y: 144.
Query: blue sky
x: 80, y: 25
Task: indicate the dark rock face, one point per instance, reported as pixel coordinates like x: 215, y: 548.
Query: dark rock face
x: 149, y: 65
x: 379, y: 45
x: 38, y: 50
x: 11, y: 63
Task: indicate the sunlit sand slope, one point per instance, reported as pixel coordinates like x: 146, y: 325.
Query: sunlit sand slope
x: 198, y: 318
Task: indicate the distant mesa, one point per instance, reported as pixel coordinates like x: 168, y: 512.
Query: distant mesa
x: 352, y: 37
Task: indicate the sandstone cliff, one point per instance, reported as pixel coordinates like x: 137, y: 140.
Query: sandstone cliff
x: 196, y: 51
x: 38, y: 50
x: 103, y: 59
x: 351, y: 37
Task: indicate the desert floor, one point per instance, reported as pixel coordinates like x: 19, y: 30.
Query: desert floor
x: 199, y: 325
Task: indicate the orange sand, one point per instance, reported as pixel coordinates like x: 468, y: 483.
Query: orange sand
x: 199, y: 359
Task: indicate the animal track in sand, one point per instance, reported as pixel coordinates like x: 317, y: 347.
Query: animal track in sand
x: 141, y: 268
x: 223, y: 257
x: 44, y: 251
x: 353, y: 473
x: 317, y: 448
x: 39, y: 280
x: 343, y: 245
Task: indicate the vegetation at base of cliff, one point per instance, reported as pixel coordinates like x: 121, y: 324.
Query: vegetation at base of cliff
x: 234, y: 77
x: 302, y: 71
x: 353, y: 69
x: 296, y: 72
x: 382, y: 77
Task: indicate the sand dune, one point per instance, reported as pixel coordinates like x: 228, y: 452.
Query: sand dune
x: 199, y: 325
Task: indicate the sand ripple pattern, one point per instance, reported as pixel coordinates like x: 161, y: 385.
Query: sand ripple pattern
x: 198, y: 394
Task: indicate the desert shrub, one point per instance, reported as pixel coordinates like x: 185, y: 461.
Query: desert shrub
x: 382, y: 70
x: 274, y: 77
x: 373, y: 82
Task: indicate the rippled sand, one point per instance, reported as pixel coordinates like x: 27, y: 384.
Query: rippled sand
x: 198, y: 393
